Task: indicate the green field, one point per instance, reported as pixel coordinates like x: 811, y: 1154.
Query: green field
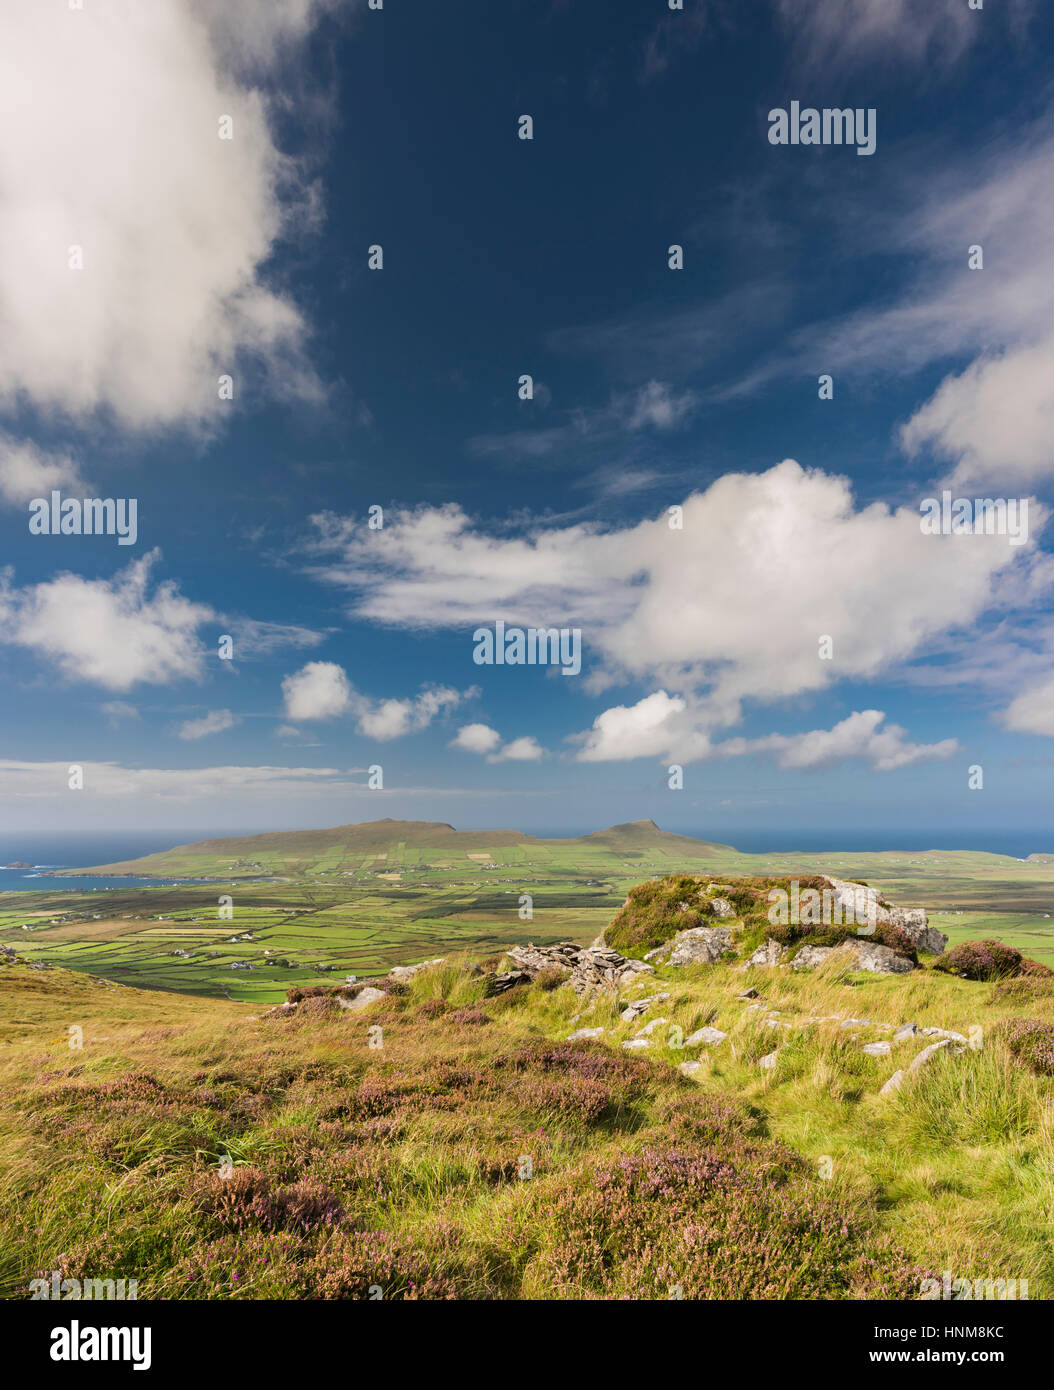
x: 359, y: 899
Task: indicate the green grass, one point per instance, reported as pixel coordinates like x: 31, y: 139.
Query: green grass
x: 403, y: 1166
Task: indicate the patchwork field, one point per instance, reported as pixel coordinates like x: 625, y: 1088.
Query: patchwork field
x: 359, y: 899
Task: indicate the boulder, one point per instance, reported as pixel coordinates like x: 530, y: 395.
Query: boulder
x: 635, y: 1007
x: 689, y: 1068
x: 943, y: 1033
x: 768, y: 955
x: 722, y: 907
x: 365, y: 996
x: 928, y: 1053
x: 650, y: 1028
x: 768, y: 1062
x: 861, y: 902
x: 581, y: 1033
x: 407, y: 972
x: 893, y: 1084
x: 636, y: 1044
x: 869, y: 955
x: 705, y: 1037
x: 906, y: 1030
x: 811, y: 956
x: 700, y: 946
x: 877, y: 1049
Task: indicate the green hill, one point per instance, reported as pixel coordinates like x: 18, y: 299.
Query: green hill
x: 346, y: 847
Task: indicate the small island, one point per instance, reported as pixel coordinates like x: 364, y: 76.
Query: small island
x: 18, y: 864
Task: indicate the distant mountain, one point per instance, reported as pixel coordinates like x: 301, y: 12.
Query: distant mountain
x: 287, y: 851
x: 645, y: 834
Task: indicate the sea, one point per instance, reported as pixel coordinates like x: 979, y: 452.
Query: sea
x: 49, y: 851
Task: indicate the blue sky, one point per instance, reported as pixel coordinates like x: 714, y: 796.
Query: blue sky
x: 653, y: 388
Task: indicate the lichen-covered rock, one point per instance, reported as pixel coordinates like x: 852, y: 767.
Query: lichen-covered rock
x: 705, y: 1037
x: 811, y: 956
x: 700, y: 946
x: 860, y: 903
x: 768, y: 955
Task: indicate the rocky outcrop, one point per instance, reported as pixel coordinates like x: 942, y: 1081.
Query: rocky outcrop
x: 696, y: 946
x: 587, y: 967
x: 856, y: 955
x: 860, y: 903
x: 407, y: 972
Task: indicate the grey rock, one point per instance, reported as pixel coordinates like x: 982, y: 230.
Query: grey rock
x: 893, y: 1084
x: 768, y: 955
x: 700, y: 946
x: 722, y: 907
x: 928, y: 1053
x: 880, y: 960
x: 860, y: 903
x: 636, y: 1007
x: 407, y: 972
x: 810, y: 956
x: 768, y: 1062
x: 689, y: 1068
x: 650, y: 1028
x: 705, y: 1037
x: 943, y: 1033
x: 588, y: 967
x: 748, y: 994
x: 906, y: 1030
x: 877, y: 1049
x: 580, y: 1033
x: 636, y: 1044
x: 365, y: 996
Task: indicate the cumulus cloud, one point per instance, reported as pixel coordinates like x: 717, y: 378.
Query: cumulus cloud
x: 115, y: 633
x: 476, y: 738
x: 858, y: 736
x: 321, y: 690
x: 730, y: 607
x: 652, y: 728
x: 122, y: 159
x: 520, y: 750
x: 670, y: 728
x: 27, y: 471
x: 1032, y: 712
x: 215, y: 722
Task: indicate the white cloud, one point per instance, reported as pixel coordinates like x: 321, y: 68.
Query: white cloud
x: 730, y: 608
x: 114, y: 633
x: 652, y: 728
x: 387, y: 719
x: 520, y: 750
x: 476, y: 738
x: 847, y: 33
x: 27, y: 471
x: 211, y: 784
x: 120, y: 156
x: 858, y: 736
x: 319, y: 690
x: 671, y: 728
x: 994, y: 421
x: 215, y: 722
x: 1032, y: 712
x: 116, y: 710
